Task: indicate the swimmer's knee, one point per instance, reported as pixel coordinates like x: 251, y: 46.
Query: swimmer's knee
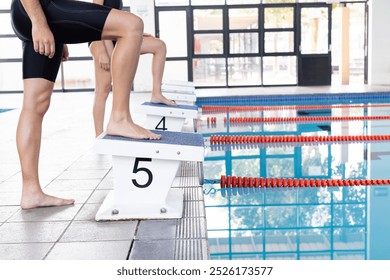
x: 162, y: 46
x: 134, y: 24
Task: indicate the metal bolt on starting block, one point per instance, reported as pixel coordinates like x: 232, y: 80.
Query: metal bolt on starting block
x: 144, y: 171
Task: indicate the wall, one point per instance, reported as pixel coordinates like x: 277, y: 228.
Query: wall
x: 379, y: 42
x: 145, y: 10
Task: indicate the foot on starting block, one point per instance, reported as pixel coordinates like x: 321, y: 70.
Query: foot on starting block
x: 163, y: 117
x: 183, y: 98
x: 181, y: 92
x: 144, y: 171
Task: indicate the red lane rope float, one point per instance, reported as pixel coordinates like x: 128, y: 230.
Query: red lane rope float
x: 212, y: 109
x: 247, y: 139
x: 238, y: 120
x: 250, y: 182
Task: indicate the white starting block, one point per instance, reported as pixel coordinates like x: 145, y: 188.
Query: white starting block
x: 181, y: 92
x: 179, y: 86
x: 180, y: 83
x: 144, y: 171
x: 162, y: 117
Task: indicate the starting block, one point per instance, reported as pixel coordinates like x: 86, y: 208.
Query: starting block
x: 181, y: 87
x: 144, y: 171
x: 183, y: 98
x: 181, y: 92
x: 180, y: 83
x: 162, y: 117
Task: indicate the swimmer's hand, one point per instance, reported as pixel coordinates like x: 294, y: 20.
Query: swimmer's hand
x: 65, y: 53
x: 104, y: 60
x: 43, y: 39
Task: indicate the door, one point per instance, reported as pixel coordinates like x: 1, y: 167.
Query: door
x: 314, y: 58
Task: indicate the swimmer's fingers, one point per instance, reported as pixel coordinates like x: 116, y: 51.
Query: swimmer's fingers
x: 106, y: 66
x: 49, y: 48
x: 65, y: 53
x: 43, y: 40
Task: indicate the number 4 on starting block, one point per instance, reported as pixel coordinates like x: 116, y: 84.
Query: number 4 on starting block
x: 162, y: 117
x: 144, y: 171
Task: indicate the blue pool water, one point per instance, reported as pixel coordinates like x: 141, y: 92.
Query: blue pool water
x: 4, y: 110
x: 299, y: 223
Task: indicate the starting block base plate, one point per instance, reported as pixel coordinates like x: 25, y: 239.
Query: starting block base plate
x: 172, y: 208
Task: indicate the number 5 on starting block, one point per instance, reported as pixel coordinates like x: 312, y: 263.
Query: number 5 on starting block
x: 144, y: 171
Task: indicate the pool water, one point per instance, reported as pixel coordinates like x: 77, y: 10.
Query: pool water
x: 338, y: 222
x: 4, y: 110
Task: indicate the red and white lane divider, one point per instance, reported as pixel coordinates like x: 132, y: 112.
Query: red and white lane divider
x: 212, y: 109
x: 251, y: 182
x: 247, y: 139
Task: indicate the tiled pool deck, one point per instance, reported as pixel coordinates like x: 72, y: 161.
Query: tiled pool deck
x: 69, y: 168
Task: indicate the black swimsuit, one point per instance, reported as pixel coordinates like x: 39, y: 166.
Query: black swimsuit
x: 70, y: 21
x: 115, y: 4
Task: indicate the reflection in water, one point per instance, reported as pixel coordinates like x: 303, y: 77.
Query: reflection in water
x: 298, y: 223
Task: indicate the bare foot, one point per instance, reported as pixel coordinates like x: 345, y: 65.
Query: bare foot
x: 161, y: 99
x: 43, y: 200
x: 130, y: 130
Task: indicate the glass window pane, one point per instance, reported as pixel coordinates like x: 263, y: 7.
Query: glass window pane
x: 5, y: 23
x: 278, y: 42
x: 11, y: 48
x: 244, y: 18
x: 244, y: 71
x: 278, y: 17
x: 314, y: 25
x: 208, y: 44
x: 209, y: 72
x: 235, y: 2
x: 208, y: 19
x: 11, y: 76
x: 279, y: 70
x: 5, y: 4
x: 176, y: 70
x: 79, y: 50
x: 207, y: 2
x: 78, y: 74
x: 171, y: 2
x: 282, y: 1
x: 244, y: 43
x: 176, y: 41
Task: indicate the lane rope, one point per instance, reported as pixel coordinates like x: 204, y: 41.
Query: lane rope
x: 255, y: 182
x: 216, y: 109
x: 248, y: 139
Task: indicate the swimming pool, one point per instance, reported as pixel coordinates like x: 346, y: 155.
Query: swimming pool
x: 4, y: 110
x: 287, y: 220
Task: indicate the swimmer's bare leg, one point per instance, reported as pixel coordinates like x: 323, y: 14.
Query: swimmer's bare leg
x: 158, y: 48
x: 127, y: 29
x: 36, y: 101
